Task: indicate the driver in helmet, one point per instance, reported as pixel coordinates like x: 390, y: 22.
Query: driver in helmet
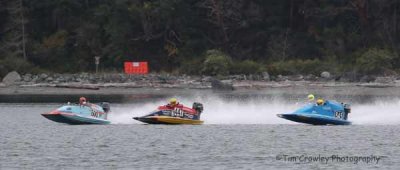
x: 311, y: 98
x: 82, y: 101
x: 320, y: 102
x: 173, y: 102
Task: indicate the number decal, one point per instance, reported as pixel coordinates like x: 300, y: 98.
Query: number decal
x: 95, y: 113
x: 177, y: 112
x: 339, y: 114
x: 189, y: 116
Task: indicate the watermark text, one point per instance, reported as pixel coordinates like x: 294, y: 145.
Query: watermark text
x: 325, y: 159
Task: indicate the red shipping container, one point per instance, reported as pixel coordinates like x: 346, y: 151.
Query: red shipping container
x: 136, y: 67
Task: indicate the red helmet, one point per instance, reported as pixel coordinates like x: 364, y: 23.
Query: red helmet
x: 82, y: 99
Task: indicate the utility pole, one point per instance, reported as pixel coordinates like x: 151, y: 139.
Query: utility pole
x: 23, y: 29
x: 97, y: 62
x: 15, y: 29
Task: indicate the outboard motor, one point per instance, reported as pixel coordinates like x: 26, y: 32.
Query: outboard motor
x: 198, y: 107
x: 106, y: 106
x: 347, y: 110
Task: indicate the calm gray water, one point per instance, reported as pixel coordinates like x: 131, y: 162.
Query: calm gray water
x: 237, y: 135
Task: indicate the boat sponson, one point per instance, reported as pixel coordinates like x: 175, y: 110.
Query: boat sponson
x: 168, y: 120
x: 72, y: 119
x: 314, y: 120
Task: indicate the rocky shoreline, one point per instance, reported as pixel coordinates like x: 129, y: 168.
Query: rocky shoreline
x: 259, y: 81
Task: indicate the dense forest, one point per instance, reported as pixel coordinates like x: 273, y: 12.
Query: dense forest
x: 201, y: 36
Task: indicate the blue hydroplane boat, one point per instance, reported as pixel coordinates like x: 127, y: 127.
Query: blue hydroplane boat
x: 82, y: 113
x: 325, y: 113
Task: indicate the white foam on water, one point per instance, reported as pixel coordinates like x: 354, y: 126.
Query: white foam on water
x: 124, y: 113
x: 245, y: 112
x: 252, y: 111
x: 216, y: 111
x: 379, y: 112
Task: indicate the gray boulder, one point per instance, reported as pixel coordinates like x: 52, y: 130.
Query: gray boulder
x: 349, y: 77
x: 56, y: 76
x: 266, y: 76
x: 43, y: 76
x: 250, y: 77
x: 27, y: 78
x: 325, y: 75
x: 385, y: 80
x: 67, y: 77
x: 281, y: 78
x: 61, y: 79
x: 49, y: 79
x: 221, y: 85
x: 207, y: 79
x: 11, y: 78
x: 78, y: 80
x: 296, y: 78
x: 123, y: 78
x: 236, y: 77
x: 367, y: 79
x: 35, y: 79
x: 310, y: 77
x: 256, y: 77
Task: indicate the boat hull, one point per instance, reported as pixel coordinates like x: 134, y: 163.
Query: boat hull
x: 168, y: 120
x: 72, y: 119
x: 314, y: 119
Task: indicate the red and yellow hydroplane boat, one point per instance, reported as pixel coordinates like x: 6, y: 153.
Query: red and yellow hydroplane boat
x: 174, y: 114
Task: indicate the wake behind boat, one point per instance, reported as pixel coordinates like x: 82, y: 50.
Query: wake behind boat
x: 82, y: 113
x: 321, y: 113
x: 174, y: 113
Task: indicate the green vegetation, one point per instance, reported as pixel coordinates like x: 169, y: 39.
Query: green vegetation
x: 180, y: 36
x: 293, y: 67
x: 18, y: 64
x: 375, y: 61
x: 247, y: 67
x: 216, y: 63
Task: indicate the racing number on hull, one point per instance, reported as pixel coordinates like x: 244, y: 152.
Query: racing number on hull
x: 339, y: 114
x: 177, y: 112
x: 95, y: 113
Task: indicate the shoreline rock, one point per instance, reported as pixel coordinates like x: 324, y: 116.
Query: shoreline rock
x: 12, y: 78
x: 230, y: 82
x: 222, y: 85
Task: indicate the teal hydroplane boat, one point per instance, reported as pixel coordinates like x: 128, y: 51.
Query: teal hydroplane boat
x: 321, y: 113
x: 82, y: 113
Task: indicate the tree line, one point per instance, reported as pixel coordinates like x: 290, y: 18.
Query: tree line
x: 201, y: 36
